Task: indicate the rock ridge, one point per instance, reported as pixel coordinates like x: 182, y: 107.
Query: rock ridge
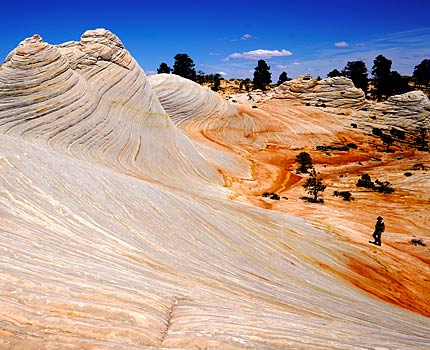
x: 91, y: 100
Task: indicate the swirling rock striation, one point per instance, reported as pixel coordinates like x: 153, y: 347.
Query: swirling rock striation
x: 115, y: 231
x: 92, y: 100
x: 408, y: 111
x: 199, y: 111
x: 185, y: 100
x: 337, y: 92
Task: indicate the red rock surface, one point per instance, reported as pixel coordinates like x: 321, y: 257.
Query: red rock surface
x: 131, y: 216
x: 397, y: 272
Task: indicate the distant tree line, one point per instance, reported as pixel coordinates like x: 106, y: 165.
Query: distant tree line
x: 384, y: 82
x: 419, y: 138
x: 184, y: 67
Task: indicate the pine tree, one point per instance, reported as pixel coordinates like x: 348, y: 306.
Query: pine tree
x: 283, y: 77
x: 388, y: 140
x: 381, y: 72
x: 334, y: 73
x: 399, y: 83
x: 305, y: 161
x: 184, y: 66
x: 246, y: 83
x: 201, y: 77
x: 357, y: 72
x: 164, y: 68
x: 314, y: 186
x: 262, y: 75
x: 216, y: 82
x: 422, y: 73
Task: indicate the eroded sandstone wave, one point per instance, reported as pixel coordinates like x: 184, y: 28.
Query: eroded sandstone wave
x: 116, y: 231
x: 92, y: 100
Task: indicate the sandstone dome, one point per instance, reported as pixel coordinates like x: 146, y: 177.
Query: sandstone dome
x: 118, y: 229
x: 338, y: 92
x: 409, y: 111
x: 92, y: 100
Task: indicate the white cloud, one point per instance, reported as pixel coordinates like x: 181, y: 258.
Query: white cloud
x: 260, y: 54
x: 405, y: 49
x: 341, y: 44
x: 214, y: 54
x: 222, y: 73
x: 246, y: 37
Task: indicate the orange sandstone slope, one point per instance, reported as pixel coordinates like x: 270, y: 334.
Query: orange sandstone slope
x: 270, y: 137
x: 116, y: 231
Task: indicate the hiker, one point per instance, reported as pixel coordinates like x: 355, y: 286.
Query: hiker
x: 379, y: 228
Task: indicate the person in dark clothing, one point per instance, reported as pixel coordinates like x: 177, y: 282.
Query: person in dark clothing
x: 379, y: 228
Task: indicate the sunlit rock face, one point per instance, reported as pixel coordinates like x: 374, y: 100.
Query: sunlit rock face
x: 116, y: 231
x: 204, y: 115
x: 185, y: 100
x: 408, y: 111
x: 90, y: 99
x: 338, y: 92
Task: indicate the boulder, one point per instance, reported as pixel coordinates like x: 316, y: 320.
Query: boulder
x: 408, y: 111
x: 337, y: 92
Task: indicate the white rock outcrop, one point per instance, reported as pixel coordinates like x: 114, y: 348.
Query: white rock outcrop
x: 116, y: 231
x: 408, y: 111
x: 251, y: 98
x: 185, y: 100
x: 92, y: 100
x: 337, y: 92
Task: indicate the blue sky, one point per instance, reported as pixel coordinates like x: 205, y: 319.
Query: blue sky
x: 298, y: 37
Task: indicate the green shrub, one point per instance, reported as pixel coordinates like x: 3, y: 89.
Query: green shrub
x: 346, y: 195
x: 377, y: 132
x: 315, y: 187
x: 400, y: 134
x: 271, y: 195
x: 305, y: 161
x: 275, y: 197
x: 377, y: 186
x: 365, y: 182
x: 416, y: 241
x: 419, y: 166
x: 383, y: 187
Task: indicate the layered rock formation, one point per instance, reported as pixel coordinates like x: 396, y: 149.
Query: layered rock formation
x: 92, y: 100
x: 116, y: 231
x: 251, y: 98
x: 337, y: 92
x: 204, y: 115
x: 185, y: 100
x: 408, y: 111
